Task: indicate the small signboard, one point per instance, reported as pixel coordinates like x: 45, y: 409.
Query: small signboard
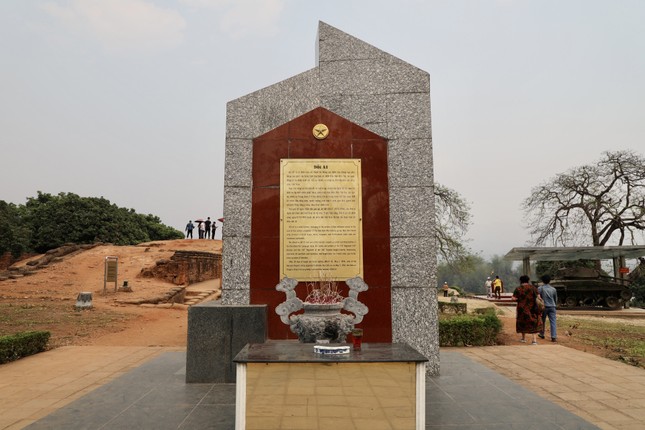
x: 111, y: 272
x: 623, y: 270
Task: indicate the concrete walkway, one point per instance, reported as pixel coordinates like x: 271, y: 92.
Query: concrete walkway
x: 505, y: 387
x: 35, y: 386
x: 602, y: 391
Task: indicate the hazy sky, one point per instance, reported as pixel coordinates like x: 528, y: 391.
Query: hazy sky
x: 126, y: 99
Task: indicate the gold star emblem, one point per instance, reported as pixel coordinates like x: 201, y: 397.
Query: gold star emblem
x: 320, y: 131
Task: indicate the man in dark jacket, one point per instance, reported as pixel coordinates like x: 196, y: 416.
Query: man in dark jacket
x: 189, y: 229
x: 207, y: 228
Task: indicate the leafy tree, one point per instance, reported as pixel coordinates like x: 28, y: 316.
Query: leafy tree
x: 452, y: 218
x: 470, y: 273
x: 68, y: 218
x: 638, y: 290
x: 14, y: 235
x: 156, y: 230
x: 462, y: 273
x: 597, y: 204
x: 637, y: 278
x: 504, y: 269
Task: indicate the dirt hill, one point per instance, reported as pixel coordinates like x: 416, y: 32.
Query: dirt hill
x: 45, y: 300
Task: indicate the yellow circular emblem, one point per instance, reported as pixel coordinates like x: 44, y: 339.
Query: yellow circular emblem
x: 320, y: 131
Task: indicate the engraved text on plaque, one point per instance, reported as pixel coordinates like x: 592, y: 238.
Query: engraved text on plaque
x: 321, y: 228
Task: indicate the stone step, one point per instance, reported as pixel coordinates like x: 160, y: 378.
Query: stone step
x: 199, y: 293
x: 197, y: 296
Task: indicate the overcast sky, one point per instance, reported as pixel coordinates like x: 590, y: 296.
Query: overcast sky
x: 126, y: 99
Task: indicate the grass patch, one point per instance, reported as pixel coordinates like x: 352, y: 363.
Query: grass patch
x: 65, y: 323
x: 620, y: 341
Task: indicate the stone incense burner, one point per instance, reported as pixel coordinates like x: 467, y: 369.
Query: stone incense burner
x: 322, y: 319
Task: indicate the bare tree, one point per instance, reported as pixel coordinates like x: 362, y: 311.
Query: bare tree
x: 452, y: 218
x: 599, y: 204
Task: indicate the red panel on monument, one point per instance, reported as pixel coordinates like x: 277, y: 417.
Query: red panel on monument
x: 345, y: 140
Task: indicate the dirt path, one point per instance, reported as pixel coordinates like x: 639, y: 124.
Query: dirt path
x: 155, y: 326
x: 152, y: 327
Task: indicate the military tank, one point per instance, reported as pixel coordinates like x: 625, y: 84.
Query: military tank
x: 583, y: 286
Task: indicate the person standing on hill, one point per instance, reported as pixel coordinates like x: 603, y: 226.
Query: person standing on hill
x: 498, y: 285
x: 214, y: 228
x: 550, y: 297
x: 207, y: 228
x: 189, y: 229
x: 200, y: 228
x: 528, y: 319
x: 445, y: 289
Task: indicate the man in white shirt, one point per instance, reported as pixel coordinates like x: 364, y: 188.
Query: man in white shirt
x: 489, y: 287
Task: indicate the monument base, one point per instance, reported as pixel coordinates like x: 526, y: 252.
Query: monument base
x: 216, y: 333
x: 285, y: 384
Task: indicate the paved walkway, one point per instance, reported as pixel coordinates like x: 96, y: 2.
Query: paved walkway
x: 605, y: 392
x: 36, y: 386
x: 506, y: 387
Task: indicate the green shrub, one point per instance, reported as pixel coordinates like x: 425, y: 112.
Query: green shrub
x: 471, y: 330
x: 23, y: 344
x: 49, y: 221
x: 484, y: 311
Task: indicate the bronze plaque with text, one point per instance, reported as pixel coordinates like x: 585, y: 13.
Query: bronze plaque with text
x: 321, y: 231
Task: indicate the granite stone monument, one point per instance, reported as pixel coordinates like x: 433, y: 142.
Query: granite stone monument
x: 358, y: 103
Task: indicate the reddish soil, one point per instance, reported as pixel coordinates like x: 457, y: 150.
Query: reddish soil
x: 589, y: 338
x: 46, y: 299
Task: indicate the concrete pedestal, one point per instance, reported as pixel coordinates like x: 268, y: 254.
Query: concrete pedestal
x: 285, y: 384
x: 216, y: 333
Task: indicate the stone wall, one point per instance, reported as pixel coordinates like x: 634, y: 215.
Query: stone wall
x: 186, y: 267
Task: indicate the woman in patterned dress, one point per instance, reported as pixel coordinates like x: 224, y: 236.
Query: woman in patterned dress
x: 528, y: 319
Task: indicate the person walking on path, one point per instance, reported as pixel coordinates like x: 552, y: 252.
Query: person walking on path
x: 189, y: 229
x: 445, y: 289
x: 528, y: 319
x: 498, y: 286
x: 489, y: 287
x: 207, y: 228
x: 550, y: 297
